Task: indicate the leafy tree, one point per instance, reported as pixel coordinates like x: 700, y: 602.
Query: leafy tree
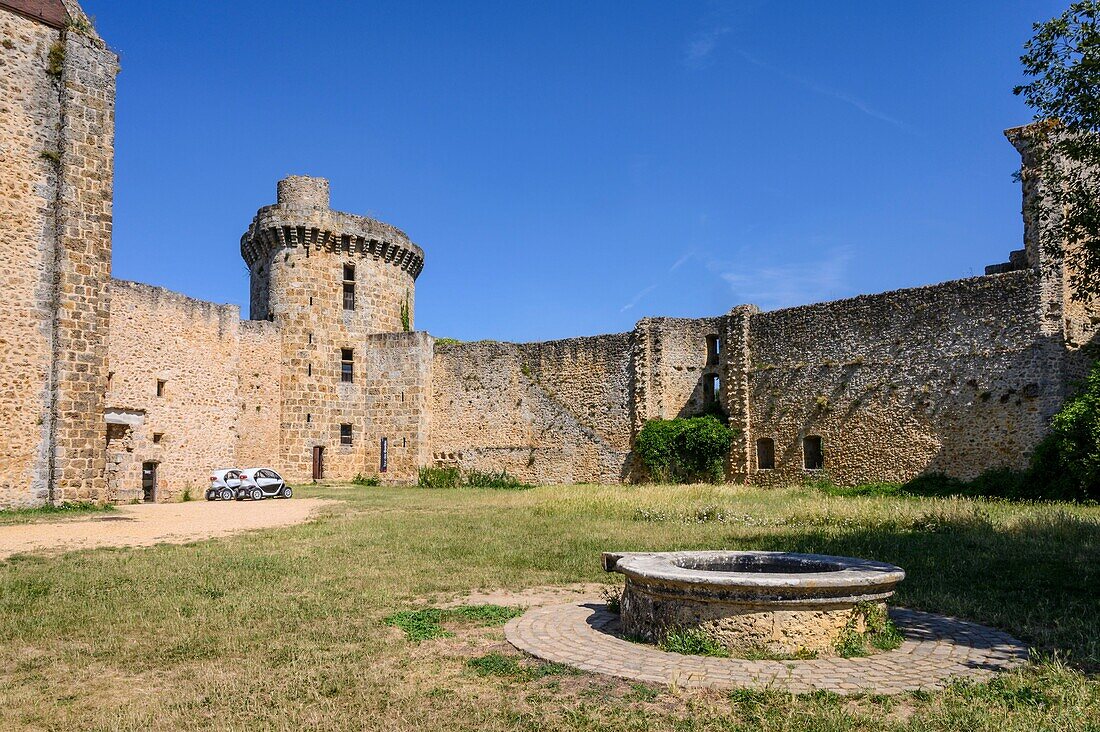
x: 1063, y: 61
x: 1066, y: 464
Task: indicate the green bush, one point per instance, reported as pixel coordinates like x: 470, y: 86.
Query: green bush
x: 371, y: 481
x: 684, y: 450
x: 432, y: 477
x: 1066, y: 464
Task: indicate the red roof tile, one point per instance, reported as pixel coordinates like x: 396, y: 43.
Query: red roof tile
x: 50, y: 12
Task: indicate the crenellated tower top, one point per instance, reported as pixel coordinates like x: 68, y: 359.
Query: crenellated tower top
x: 302, y: 218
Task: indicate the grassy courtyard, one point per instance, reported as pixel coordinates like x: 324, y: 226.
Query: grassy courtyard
x: 284, y: 629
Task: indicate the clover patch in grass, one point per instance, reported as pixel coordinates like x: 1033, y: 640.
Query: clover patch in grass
x: 427, y: 623
x: 497, y: 664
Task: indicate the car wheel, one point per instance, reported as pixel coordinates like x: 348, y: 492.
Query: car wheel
x: 287, y: 493
x: 257, y: 494
x: 210, y: 495
x: 227, y: 494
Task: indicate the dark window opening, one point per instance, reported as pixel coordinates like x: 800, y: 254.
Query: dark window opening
x: 349, y: 296
x: 345, y: 434
x: 714, y: 350
x: 347, y: 365
x: 161, y: 385
x: 309, y: 369
x: 311, y: 338
x: 349, y: 273
x: 311, y: 299
x: 157, y: 437
x: 813, y: 454
x: 765, y: 454
x: 309, y: 418
x: 712, y: 388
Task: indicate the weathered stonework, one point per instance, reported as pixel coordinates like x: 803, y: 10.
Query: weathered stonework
x: 57, y: 90
x: 747, y: 601
x: 192, y: 349
x: 958, y: 377
x: 545, y: 412
x: 299, y: 252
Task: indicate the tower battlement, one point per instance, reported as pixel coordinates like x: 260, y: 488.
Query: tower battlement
x: 302, y: 219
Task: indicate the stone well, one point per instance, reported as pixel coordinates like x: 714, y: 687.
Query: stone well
x: 780, y: 601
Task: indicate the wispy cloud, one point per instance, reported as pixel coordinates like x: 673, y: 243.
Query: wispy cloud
x: 702, y: 46
x: 637, y: 298
x: 642, y: 293
x: 825, y: 91
x: 779, y: 286
x: 680, y: 261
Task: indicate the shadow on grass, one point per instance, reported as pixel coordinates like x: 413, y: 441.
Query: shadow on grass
x: 1038, y: 577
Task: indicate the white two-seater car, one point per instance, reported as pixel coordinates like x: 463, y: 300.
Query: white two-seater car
x: 260, y: 483
x: 223, y: 485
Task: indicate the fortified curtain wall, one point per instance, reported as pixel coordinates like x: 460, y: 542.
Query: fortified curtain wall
x: 555, y: 412
x: 954, y: 378
x: 57, y: 134
x: 567, y: 411
x: 189, y: 424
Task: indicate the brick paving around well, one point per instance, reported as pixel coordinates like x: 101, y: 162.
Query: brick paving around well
x: 936, y: 649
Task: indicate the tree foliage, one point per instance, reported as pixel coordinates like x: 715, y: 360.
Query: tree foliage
x: 1066, y: 464
x: 684, y: 450
x: 1063, y: 61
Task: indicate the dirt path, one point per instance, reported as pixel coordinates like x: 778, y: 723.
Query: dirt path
x: 162, y: 523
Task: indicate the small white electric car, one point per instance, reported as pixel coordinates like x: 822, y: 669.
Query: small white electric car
x: 261, y: 483
x: 224, y: 485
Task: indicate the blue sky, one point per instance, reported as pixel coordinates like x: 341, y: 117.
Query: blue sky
x: 571, y: 167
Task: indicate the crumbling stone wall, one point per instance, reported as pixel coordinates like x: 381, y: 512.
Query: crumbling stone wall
x: 556, y: 412
x: 671, y: 364
x: 953, y: 378
x: 1075, y: 319
x: 57, y: 92
x: 192, y: 347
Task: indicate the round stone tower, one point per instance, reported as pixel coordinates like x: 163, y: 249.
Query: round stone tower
x: 301, y: 248
x: 329, y: 281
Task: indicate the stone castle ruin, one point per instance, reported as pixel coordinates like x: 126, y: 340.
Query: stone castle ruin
x: 116, y: 391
